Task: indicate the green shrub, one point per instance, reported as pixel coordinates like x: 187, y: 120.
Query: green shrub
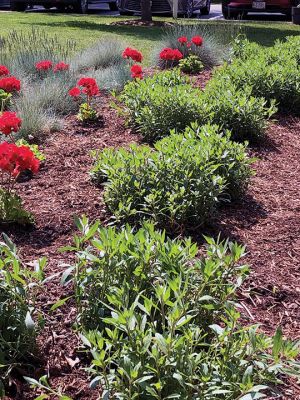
x: 11, y: 209
x: 167, y: 101
x: 165, y: 325
x: 272, y: 73
x: 162, y: 102
x: 177, y: 185
x: 237, y: 109
x: 18, y: 288
x: 191, y: 65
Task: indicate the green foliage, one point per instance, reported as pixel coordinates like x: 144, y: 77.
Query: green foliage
x: 191, y: 65
x: 272, y: 73
x: 167, y: 101
x: 179, y: 183
x: 161, y: 323
x: 86, y: 113
x: 33, y: 147
x: 18, y: 289
x: 11, y: 209
x: 45, y: 387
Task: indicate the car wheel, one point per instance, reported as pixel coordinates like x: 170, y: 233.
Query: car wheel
x: 47, y: 6
x: 81, y: 6
x: 61, y: 7
x: 113, y: 6
x: 129, y: 13
x: 17, y: 6
x: 206, y: 10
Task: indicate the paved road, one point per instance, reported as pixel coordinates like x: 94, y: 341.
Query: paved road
x: 216, y: 12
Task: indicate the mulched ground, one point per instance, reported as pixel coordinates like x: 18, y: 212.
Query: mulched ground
x: 267, y: 221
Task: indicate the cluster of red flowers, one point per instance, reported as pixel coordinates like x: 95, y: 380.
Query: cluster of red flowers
x: 15, y: 159
x: 169, y: 54
x: 135, y: 55
x: 46, y: 65
x: 89, y: 85
x: 136, y: 72
x: 4, y: 70
x: 10, y: 84
x: 9, y: 122
x: 196, y: 40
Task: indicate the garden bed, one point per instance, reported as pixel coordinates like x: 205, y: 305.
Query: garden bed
x: 266, y: 220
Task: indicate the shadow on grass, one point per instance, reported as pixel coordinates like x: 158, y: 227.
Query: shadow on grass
x: 146, y: 33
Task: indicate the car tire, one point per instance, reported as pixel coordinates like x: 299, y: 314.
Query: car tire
x: 47, y: 6
x: 18, y: 6
x: 128, y: 13
x: 81, y: 6
x: 206, y: 10
x: 113, y: 6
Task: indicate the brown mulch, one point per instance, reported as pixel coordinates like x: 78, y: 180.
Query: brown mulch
x: 138, y: 22
x: 266, y: 220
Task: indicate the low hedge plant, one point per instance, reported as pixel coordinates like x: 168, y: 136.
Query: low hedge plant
x: 167, y: 101
x: 160, y: 323
x: 179, y: 183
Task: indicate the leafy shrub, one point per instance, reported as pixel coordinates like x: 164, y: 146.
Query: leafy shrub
x: 166, y: 324
x: 272, y: 73
x: 163, y: 102
x: 191, y: 65
x: 167, y: 101
x: 11, y: 209
x: 176, y: 185
x: 18, y: 288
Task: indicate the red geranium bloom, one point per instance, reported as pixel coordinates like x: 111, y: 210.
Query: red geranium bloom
x: 3, y: 70
x: 171, y: 54
x: 44, y: 65
x: 182, y: 39
x: 90, y: 86
x: 9, y: 122
x: 136, y: 71
x: 15, y: 159
x: 135, y: 55
x: 10, y: 84
x: 61, y: 66
x: 197, y: 40
x: 74, y: 92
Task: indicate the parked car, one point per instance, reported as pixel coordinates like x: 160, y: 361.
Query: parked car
x: 185, y: 7
x: 239, y: 8
x: 80, y: 6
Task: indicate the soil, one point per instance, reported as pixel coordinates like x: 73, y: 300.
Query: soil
x: 267, y: 220
x: 138, y: 22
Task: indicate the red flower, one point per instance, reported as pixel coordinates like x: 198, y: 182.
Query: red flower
x: 197, y: 40
x: 61, y: 66
x: 182, y: 39
x: 9, y: 122
x: 136, y: 71
x: 135, y: 55
x: 15, y: 159
x: 3, y: 70
x: 74, y: 92
x: 170, y: 54
x: 90, y: 86
x: 10, y: 84
x: 44, y: 65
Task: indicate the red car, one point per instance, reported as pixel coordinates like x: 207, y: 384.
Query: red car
x: 239, y: 8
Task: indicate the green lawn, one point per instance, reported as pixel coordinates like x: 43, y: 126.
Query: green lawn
x: 87, y: 29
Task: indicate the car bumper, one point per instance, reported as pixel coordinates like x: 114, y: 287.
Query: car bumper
x: 269, y: 8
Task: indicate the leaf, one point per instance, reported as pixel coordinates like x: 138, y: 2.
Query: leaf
x: 95, y: 382
x: 42, y: 397
x: 31, y: 381
x: 67, y: 275
x: 85, y: 340
x: 59, y: 303
x: 277, y: 343
x: 217, y: 328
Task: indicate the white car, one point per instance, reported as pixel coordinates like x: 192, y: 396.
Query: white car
x: 185, y: 7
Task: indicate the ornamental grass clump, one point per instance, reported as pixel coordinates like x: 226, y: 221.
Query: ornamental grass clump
x: 161, y: 323
x: 178, y: 184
